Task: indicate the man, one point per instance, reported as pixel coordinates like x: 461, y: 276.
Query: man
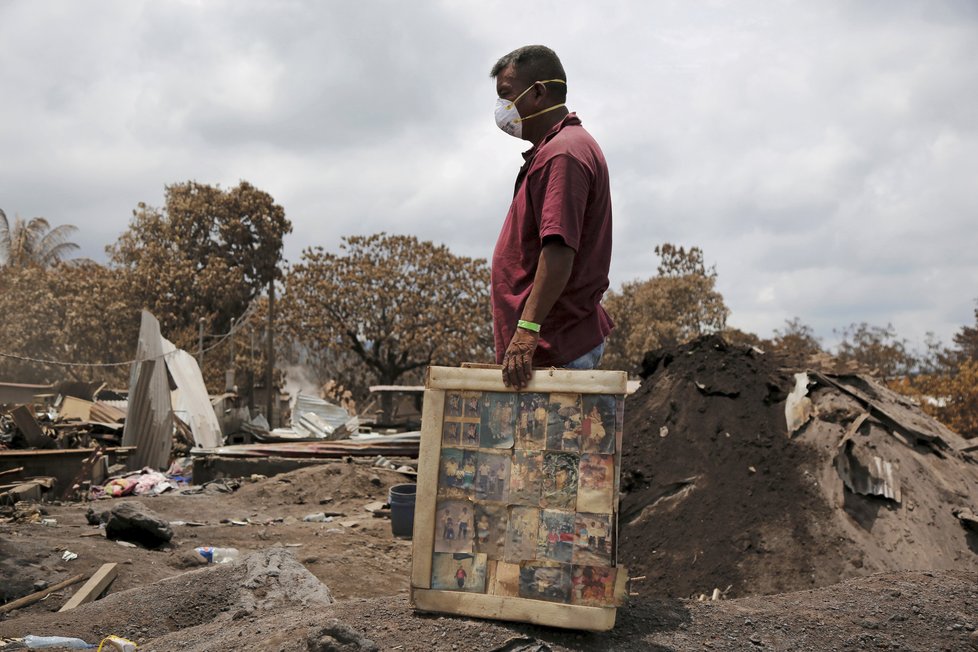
x: 550, y: 265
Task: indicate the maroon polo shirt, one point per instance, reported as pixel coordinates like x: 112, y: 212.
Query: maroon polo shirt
x: 562, y: 190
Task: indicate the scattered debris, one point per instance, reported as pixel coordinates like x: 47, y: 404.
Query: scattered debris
x: 93, y: 588
x: 136, y: 523
x: 798, y: 408
x: 39, y: 595
x: 968, y: 518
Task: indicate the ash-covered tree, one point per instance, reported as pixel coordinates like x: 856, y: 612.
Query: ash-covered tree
x: 207, y: 254
x: 679, y: 303
x: 80, y: 313
x: 876, y: 349
x: 389, y: 303
x: 33, y: 243
x: 796, y: 341
x: 947, y: 385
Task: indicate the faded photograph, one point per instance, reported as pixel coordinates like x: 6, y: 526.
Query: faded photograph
x: 490, y: 529
x: 453, y: 526
x: 555, y: 539
x: 492, y: 476
x: 593, y: 539
x: 559, y: 487
x: 531, y: 421
x: 545, y: 581
x: 596, y: 483
x: 498, y: 426
x: 598, y: 423
x: 526, y: 477
x: 564, y: 422
x: 593, y: 586
x: 458, y: 572
x: 521, y: 534
x: 456, y: 472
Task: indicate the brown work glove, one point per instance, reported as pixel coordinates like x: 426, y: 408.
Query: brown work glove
x: 518, y: 361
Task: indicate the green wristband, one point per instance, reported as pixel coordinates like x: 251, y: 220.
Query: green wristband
x: 528, y: 325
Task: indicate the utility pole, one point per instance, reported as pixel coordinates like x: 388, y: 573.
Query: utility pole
x: 200, y: 345
x: 270, y: 353
x: 229, y: 376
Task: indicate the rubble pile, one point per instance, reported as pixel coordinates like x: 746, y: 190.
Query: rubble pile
x: 719, y: 494
x: 66, y: 422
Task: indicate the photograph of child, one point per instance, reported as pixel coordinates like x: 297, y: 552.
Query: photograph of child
x: 531, y: 421
x: 470, y: 435
x: 453, y: 405
x: 498, y: 425
x: 492, y: 476
x: 564, y: 422
x: 456, y: 473
x: 490, y: 529
x: 458, y: 572
x: 592, y: 539
x: 555, y: 540
x: 522, y: 530
x: 453, y: 526
x: 472, y: 403
x: 598, y: 424
x: 451, y: 434
x: 593, y: 586
x: 504, y: 578
x: 526, y: 477
x: 596, y: 487
x: 545, y: 581
x: 559, y: 488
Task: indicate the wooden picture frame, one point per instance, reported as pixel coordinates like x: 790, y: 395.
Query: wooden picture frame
x: 523, y: 456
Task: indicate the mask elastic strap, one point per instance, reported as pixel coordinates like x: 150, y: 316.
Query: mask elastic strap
x: 545, y: 81
x: 556, y: 106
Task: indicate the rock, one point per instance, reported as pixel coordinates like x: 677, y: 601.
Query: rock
x: 335, y: 636
x: 136, y: 523
x: 96, y: 518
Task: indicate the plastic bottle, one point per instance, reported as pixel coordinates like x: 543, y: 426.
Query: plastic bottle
x: 36, y: 642
x: 214, y: 555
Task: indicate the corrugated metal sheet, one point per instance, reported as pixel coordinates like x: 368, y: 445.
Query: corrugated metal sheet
x: 149, y: 424
x: 191, y: 399
x: 322, y: 419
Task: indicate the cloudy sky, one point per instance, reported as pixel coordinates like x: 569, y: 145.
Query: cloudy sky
x: 822, y: 154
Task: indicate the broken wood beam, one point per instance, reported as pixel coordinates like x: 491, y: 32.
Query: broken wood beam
x: 93, y: 588
x: 39, y: 595
x: 9, y: 471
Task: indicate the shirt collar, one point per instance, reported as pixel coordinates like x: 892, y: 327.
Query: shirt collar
x: 570, y: 119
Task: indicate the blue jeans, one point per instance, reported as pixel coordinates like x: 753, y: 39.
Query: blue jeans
x: 589, y: 360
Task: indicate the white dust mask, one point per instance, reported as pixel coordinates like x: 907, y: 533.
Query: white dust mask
x: 508, y: 116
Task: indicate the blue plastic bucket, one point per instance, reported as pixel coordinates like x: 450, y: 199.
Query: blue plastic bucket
x: 401, y: 499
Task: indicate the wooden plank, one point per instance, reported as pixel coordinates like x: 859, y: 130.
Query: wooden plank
x: 24, y: 418
x: 75, y: 408
x: 537, y: 612
x: 424, y: 505
x: 544, y: 380
x: 63, y: 452
x: 39, y: 595
x: 93, y: 588
x: 621, y: 586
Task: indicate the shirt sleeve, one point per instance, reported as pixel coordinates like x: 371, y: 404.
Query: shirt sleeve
x: 561, y: 190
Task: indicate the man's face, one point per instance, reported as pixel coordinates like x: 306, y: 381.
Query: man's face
x: 509, y: 85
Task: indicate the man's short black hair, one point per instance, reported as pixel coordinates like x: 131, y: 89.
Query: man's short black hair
x: 534, y: 63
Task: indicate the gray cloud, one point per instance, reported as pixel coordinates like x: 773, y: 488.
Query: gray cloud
x: 820, y: 154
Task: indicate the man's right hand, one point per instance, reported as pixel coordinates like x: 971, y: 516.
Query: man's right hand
x: 518, y: 360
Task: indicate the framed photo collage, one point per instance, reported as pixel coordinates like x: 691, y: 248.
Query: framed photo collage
x: 520, y: 493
